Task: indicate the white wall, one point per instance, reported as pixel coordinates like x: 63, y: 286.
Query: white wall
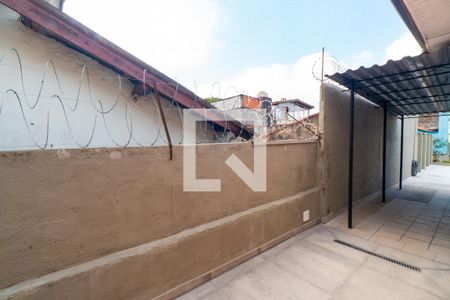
x: 227, y: 104
x: 35, y: 52
x: 279, y: 113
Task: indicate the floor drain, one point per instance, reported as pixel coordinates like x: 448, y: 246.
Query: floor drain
x: 387, y: 258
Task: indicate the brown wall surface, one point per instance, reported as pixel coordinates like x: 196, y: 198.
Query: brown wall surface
x: 65, y: 207
x: 368, y: 148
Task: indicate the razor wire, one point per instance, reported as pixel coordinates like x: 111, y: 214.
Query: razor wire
x: 289, y: 131
x: 67, y: 105
x: 25, y: 98
x: 328, y: 65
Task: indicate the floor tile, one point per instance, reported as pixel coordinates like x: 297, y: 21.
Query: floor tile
x: 370, y: 284
x: 313, y: 266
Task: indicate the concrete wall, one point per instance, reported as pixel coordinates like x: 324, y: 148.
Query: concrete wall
x: 22, y: 130
x: 425, y: 149
x: 368, y: 152
x: 115, y: 224
x: 232, y: 103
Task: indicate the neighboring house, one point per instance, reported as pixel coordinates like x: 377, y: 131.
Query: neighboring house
x: 429, y: 23
x: 241, y: 101
x: 428, y: 123
x: 290, y: 111
x: 64, y: 86
x: 305, y: 129
x: 238, y: 101
x: 279, y: 113
x: 437, y: 126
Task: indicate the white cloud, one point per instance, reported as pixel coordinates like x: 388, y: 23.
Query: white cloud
x: 363, y: 58
x: 172, y: 35
x: 278, y: 80
x: 297, y: 80
x: 404, y: 46
x: 178, y: 36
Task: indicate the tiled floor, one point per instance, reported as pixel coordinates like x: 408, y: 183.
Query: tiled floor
x: 410, y: 228
x: 416, y: 219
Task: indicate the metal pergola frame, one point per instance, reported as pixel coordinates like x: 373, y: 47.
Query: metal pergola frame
x: 406, y: 88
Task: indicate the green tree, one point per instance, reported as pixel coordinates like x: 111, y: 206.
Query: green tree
x: 212, y: 99
x: 438, y: 143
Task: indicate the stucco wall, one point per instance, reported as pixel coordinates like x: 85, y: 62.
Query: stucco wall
x: 368, y: 151
x: 31, y: 66
x: 66, y: 207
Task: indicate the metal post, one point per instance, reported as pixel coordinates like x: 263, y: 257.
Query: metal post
x: 400, y: 184
x: 350, y: 156
x: 383, y: 192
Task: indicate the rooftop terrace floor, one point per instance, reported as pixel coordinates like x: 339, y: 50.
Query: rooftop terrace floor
x: 412, y: 227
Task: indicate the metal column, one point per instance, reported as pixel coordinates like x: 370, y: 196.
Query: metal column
x: 400, y: 184
x: 350, y: 156
x: 383, y: 192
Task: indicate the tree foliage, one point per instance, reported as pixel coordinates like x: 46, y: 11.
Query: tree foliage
x: 212, y: 99
x: 438, y: 143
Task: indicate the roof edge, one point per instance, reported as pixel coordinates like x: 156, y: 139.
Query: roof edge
x: 404, y: 13
x: 56, y: 24
x: 303, y: 103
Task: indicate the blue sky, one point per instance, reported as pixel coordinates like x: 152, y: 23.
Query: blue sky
x: 282, y: 31
x: 234, y: 46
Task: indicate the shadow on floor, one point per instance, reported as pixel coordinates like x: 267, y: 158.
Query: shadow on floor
x: 412, y: 227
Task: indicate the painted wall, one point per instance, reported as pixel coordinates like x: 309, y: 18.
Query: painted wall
x: 39, y: 68
x: 280, y: 116
x: 250, y: 102
x: 443, y: 133
x: 232, y: 103
x: 424, y: 149
x: 238, y: 101
x: 368, y: 141
x: 81, y: 207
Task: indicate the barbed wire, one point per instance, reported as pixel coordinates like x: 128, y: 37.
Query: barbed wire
x: 25, y: 98
x: 331, y: 65
x: 25, y: 120
x: 32, y: 100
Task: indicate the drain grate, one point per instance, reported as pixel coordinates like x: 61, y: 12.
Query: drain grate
x: 387, y: 258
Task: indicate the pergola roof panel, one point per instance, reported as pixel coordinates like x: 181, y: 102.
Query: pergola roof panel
x: 410, y: 86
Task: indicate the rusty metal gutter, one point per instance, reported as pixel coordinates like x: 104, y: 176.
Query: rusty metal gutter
x: 48, y: 20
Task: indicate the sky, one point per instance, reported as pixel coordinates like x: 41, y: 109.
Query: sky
x: 219, y: 48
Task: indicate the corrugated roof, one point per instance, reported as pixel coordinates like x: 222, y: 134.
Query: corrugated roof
x: 410, y: 86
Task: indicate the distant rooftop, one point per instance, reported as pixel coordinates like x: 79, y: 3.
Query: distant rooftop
x: 296, y: 102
